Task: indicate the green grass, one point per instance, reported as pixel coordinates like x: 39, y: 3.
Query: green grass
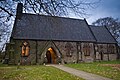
x: 36, y: 72
x: 98, y: 68
x: 109, y: 62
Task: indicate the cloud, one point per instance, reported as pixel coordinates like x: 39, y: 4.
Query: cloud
x: 107, y: 8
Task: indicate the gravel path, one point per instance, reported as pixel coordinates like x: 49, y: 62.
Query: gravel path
x: 82, y: 74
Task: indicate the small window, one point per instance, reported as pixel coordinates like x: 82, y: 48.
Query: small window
x: 25, y: 49
x: 86, y: 49
x: 69, y: 51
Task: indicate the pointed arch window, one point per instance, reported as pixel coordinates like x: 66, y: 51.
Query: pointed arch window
x: 25, y: 49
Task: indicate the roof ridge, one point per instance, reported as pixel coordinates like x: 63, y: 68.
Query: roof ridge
x: 95, y: 26
x: 54, y: 16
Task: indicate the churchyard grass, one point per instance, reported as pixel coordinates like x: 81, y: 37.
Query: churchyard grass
x: 34, y: 72
x: 110, y: 69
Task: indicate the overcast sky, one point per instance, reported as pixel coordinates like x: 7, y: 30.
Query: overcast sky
x: 106, y: 8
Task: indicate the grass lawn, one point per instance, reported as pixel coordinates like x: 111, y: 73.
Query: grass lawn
x: 36, y: 72
x: 110, y: 69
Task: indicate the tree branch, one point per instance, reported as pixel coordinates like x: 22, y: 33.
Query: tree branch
x: 6, y: 11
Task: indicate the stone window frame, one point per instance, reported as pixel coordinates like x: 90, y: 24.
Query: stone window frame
x: 78, y: 46
x: 25, y: 49
x: 79, y: 52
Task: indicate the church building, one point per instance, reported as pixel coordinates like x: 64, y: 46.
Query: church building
x: 39, y: 39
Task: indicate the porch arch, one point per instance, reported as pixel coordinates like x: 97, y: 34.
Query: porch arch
x: 56, y: 55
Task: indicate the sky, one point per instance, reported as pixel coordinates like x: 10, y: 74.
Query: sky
x: 106, y: 8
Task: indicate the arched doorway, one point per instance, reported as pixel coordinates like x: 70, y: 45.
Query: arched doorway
x: 51, y: 56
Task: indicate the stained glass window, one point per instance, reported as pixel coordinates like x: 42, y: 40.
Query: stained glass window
x: 25, y: 49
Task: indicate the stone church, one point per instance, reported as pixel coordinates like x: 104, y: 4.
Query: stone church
x: 39, y: 39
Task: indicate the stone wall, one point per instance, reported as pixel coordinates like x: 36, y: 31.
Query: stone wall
x: 67, y: 52
x: 17, y: 48
x: 72, y: 56
x: 88, y: 58
x: 104, y: 53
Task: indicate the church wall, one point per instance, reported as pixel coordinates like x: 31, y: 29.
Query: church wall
x: 91, y: 57
x: 105, y: 53
x: 112, y: 56
x: 67, y: 52
x: 41, y: 45
x: 31, y: 59
x: 68, y: 56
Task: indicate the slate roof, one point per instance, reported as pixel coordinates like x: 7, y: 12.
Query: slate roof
x: 41, y: 27
x: 102, y: 34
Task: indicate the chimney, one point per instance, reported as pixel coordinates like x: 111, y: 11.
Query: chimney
x: 19, y: 10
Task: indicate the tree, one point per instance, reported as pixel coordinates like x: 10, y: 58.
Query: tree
x: 112, y: 24
x: 47, y: 7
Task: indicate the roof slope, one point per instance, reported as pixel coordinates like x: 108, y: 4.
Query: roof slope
x: 41, y: 27
x: 102, y: 34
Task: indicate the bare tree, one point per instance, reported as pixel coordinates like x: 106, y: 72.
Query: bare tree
x: 46, y: 7
x: 49, y: 7
x: 112, y: 24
